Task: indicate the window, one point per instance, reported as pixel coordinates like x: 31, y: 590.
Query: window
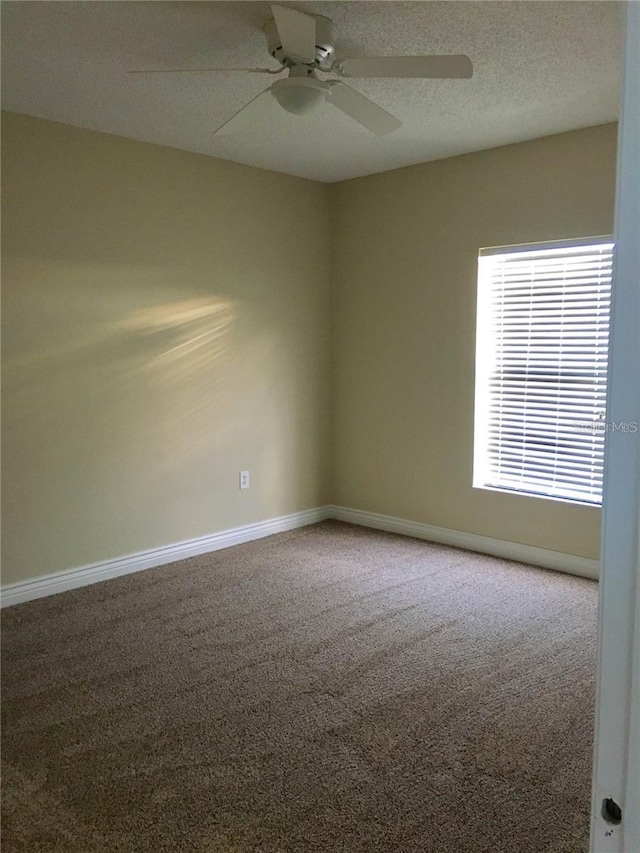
x: 541, y: 369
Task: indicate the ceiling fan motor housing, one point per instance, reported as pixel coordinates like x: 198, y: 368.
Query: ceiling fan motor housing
x: 325, y: 44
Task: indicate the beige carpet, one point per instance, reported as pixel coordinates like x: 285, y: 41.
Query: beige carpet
x: 329, y: 689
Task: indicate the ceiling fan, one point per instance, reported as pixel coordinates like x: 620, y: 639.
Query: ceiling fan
x: 304, y: 45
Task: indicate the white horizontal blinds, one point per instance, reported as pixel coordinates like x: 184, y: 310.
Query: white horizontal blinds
x: 543, y: 370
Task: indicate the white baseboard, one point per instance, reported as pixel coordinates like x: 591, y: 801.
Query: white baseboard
x: 471, y: 542
x: 17, y: 593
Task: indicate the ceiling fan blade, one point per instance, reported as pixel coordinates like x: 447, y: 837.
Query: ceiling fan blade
x: 361, y: 109
x: 454, y: 66
x: 297, y: 33
x: 250, y: 113
x: 198, y: 70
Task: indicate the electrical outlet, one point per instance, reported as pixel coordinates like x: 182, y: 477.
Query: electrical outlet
x: 244, y: 479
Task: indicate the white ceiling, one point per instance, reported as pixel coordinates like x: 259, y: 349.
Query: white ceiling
x: 539, y: 68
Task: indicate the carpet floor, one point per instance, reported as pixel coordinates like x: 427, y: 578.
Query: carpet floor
x: 328, y: 689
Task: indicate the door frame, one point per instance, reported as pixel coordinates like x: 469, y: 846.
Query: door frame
x: 616, y: 769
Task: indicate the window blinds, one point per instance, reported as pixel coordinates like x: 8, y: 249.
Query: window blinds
x: 541, y: 369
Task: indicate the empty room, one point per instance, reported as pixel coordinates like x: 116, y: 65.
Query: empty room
x: 306, y: 339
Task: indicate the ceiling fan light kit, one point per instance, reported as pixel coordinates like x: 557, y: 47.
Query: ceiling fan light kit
x: 299, y: 95
x: 304, y: 45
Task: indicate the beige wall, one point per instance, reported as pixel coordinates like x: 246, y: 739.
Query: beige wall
x: 166, y: 324
x: 405, y: 247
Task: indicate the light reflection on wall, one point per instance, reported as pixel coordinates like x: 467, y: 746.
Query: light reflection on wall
x: 161, y: 369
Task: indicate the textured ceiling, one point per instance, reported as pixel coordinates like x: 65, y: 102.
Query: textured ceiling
x: 539, y: 68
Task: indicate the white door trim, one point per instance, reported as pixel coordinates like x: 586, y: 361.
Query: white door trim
x: 617, y: 726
